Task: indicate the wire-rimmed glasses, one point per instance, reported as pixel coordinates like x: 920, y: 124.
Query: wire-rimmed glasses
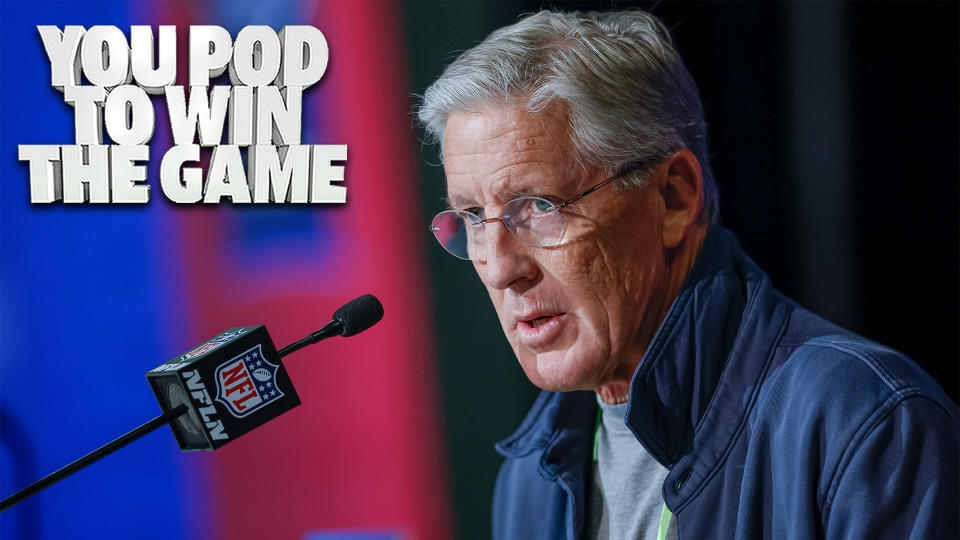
x: 535, y: 221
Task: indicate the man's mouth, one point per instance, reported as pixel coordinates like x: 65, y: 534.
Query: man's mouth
x: 533, y: 321
x: 540, y: 321
x: 539, y: 333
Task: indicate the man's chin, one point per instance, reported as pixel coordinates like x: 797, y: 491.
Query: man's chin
x: 555, y: 372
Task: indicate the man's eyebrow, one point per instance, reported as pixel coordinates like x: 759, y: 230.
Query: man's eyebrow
x: 455, y: 201
x: 518, y: 189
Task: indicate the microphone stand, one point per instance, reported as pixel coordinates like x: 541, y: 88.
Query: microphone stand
x: 96, y: 455
x: 333, y: 328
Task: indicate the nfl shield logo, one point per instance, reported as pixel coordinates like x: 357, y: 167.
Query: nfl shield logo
x: 247, y: 383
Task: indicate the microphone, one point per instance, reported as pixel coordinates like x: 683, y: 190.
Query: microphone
x: 358, y: 315
x: 352, y: 318
x: 235, y: 382
x: 228, y: 386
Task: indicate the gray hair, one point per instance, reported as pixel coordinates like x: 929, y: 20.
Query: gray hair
x: 628, y: 95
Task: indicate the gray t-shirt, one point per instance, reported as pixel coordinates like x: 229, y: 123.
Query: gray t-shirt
x: 625, y: 495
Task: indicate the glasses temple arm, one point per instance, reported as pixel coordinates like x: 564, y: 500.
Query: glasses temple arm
x: 591, y: 190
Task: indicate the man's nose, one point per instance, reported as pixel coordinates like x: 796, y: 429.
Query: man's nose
x: 506, y: 261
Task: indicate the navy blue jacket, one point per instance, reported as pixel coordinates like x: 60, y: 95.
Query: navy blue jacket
x: 773, y: 422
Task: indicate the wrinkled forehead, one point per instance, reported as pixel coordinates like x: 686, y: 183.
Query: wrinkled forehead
x: 497, y: 152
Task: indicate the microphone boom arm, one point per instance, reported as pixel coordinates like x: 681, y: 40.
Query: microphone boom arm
x: 92, y: 457
x: 332, y: 328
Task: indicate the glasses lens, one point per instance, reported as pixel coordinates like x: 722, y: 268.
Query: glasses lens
x: 536, y: 221
x: 458, y: 233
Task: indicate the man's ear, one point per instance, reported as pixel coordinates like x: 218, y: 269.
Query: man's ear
x: 682, y: 192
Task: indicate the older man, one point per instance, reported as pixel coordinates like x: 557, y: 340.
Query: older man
x: 683, y: 395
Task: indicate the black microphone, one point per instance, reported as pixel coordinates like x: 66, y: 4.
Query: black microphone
x: 352, y: 318
x: 358, y: 314
x: 235, y: 382
x: 228, y: 386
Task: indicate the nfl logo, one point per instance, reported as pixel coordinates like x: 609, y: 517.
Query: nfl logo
x: 214, y: 343
x: 247, y: 383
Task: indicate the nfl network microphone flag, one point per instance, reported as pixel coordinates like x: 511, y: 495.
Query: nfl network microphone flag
x: 230, y: 384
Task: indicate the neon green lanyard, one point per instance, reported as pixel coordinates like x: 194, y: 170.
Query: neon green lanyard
x: 665, y: 514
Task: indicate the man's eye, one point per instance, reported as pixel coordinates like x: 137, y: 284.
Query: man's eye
x: 542, y: 205
x: 478, y: 212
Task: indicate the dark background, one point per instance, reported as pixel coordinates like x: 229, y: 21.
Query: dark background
x: 834, y: 143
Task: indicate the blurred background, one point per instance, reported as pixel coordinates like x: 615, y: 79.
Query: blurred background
x: 835, y: 144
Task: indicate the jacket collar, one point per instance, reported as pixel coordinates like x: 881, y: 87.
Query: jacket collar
x: 559, y: 422
x: 560, y: 427
x: 689, y: 396
x: 676, y: 378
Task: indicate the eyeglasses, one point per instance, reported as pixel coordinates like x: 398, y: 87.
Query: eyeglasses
x: 535, y: 221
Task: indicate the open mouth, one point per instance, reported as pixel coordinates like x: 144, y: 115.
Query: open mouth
x: 539, y: 321
x: 540, y: 333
